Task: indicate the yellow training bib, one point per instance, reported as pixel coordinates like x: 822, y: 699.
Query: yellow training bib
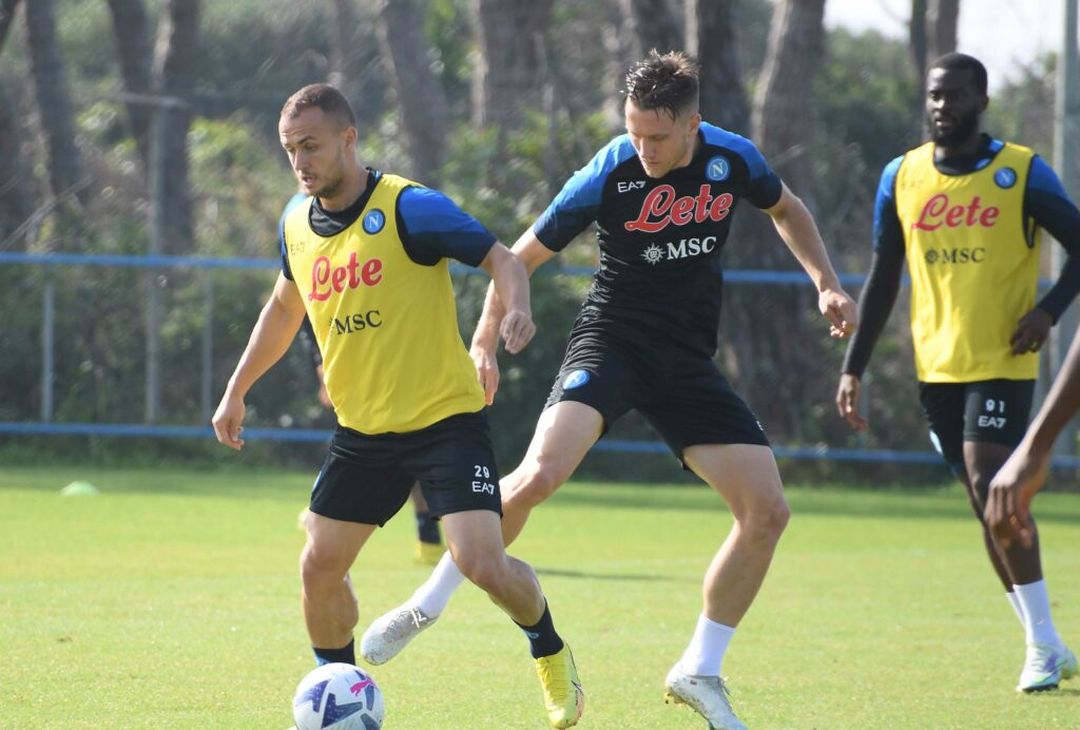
x: 393, y: 358
x: 974, y: 269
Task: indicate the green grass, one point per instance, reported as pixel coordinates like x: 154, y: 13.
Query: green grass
x: 170, y: 600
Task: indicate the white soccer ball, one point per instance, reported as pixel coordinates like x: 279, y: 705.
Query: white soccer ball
x: 338, y: 696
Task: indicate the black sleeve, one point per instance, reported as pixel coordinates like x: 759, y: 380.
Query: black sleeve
x: 1049, y: 207
x: 307, y: 339
x: 1064, y: 290
x: 875, y: 305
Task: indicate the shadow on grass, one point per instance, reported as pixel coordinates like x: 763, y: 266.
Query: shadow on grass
x: 880, y: 502
x: 634, y: 577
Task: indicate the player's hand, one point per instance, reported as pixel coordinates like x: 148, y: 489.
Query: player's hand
x: 487, y: 370
x: 227, y: 419
x: 516, y: 329
x: 841, y: 311
x: 1008, y: 503
x: 847, y: 402
x: 1031, y: 331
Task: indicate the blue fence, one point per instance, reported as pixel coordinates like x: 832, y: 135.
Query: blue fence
x: 46, y: 427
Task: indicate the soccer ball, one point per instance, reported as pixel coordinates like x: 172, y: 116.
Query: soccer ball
x: 338, y: 696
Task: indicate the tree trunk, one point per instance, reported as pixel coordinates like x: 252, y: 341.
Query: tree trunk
x: 917, y: 43
x: 175, y: 61
x: 16, y: 205
x: 932, y: 34
x: 764, y: 324
x: 710, y: 35
x: 509, y: 73
x: 784, y: 93
x: 423, y: 111
x: 655, y: 25
x: 54, y: 103
x: 132, y: 38
x: 942, y: 17
x: 7, y: 17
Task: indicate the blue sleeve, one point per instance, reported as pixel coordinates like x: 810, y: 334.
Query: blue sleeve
x: 1047, y: 203
x: 432, y: 227
x: 764, y: 187
x: 888, y: 233
x: 294, y: 201
x: 576, y: 205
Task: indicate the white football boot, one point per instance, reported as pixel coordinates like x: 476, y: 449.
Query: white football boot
x: 1045, y: 666
x: 707, y: 695
x: 392, y: 631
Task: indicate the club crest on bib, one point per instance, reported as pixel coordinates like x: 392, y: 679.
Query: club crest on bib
x: 374, y: 221
x: 1005, y: 178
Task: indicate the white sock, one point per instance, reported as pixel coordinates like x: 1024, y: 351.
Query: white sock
x: 1038, y: 625
x: 1014, y: 601
x: 434, y: 594
x: 705, y: 654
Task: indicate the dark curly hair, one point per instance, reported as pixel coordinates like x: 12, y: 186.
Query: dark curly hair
x: 667, y: 81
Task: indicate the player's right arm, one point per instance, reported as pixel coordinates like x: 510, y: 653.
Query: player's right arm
x: 530, y: 253
x: 877, y: 298
x: 572, y: 210
x: 1024, y: 474
x: 270, y: 339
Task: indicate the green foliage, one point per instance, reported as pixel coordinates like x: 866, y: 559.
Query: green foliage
x: 252, y: 55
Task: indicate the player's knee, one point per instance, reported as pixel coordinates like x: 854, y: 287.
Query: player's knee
x: 534, y: 484
x: 767, y: 521
x: 321, y: 566
x: 484, y: 571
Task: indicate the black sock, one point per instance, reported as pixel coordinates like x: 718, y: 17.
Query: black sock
x: 543, y: 640
x: 328, y: 656
x: 427, y: 527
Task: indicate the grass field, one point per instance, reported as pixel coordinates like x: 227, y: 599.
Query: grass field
x: 170, y: 601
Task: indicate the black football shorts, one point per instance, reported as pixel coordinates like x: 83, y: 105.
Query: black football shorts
x: 367, y: 478
x: 681, y: 394
x: 992, y: 411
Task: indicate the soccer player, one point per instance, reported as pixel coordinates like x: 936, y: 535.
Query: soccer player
x: 365, y: 258
x: 429, y: 547
x: 1008, y: 508
x: 662, y: 196
x: 964, y: 209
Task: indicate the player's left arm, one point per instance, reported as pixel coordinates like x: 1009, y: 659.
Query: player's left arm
x: 1047, y: 205
x: 510, y: 280
x: 799, y: 231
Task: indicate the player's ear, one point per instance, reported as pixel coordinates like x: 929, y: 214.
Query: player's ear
x: 695, y: 122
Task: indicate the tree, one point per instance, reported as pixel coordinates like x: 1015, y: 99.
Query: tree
x: 711, y: 37
x: 175, y: 59
x: 508, y: 76
x: 7, y: 17
x: 423, y: 111
x: 130, y: 31
x: 931, y: 34
x: 654, y: 24
x: 66, y: 178
x: 765, y: 342
x: 15, y: 204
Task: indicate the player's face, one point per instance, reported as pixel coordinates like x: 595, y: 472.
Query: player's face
x: 318, y: 148
x: 953, y: 106
x: 662, y: 143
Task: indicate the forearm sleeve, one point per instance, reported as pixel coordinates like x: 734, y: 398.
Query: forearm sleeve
x: 875, y: 305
